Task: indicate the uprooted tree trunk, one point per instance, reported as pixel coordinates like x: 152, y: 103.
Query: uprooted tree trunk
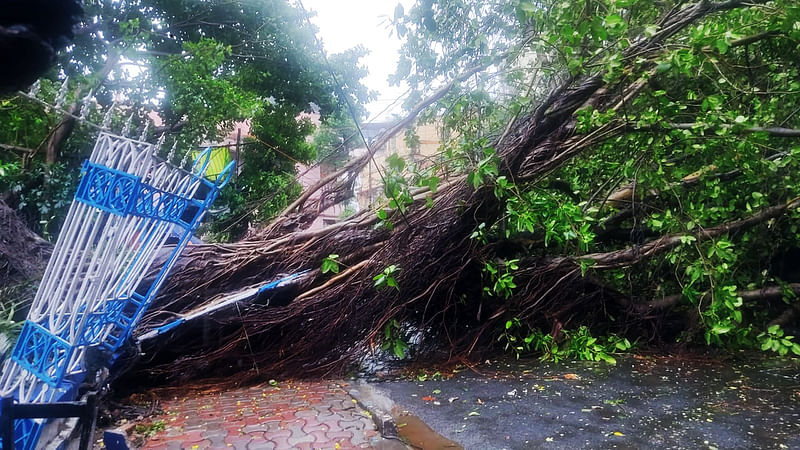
x: 23, y: 254
x: 332, y: 319
x: 23, y: 258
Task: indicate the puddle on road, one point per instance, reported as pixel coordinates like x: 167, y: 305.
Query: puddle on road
x: 414, y: 432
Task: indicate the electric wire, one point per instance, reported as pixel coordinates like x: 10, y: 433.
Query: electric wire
x: 352, y: 112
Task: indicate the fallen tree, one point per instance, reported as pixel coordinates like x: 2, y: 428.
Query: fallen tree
x: 455, y: 263
x: 23, y: 253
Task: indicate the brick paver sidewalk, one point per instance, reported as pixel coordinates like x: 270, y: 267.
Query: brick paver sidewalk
x: 296, y: 415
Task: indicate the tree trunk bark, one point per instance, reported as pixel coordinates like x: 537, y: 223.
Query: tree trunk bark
x: 23, y: 254
x: 63, y: 130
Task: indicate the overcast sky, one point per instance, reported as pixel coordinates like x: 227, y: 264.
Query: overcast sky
x: 346, y: 23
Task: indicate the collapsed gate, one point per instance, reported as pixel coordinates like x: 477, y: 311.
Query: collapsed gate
x: 107, y: 266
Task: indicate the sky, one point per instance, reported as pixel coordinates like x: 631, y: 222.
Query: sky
x: 346, y: 23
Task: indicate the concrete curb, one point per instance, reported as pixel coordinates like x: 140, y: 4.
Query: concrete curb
x: 378, y: 405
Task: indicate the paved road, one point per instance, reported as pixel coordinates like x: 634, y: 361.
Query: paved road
x: 296, y: 415
x: 639, y: 403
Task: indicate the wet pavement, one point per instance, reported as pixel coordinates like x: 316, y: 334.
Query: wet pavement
x: 284, y: 415
x: 639, y: 403
x: 642, y: 402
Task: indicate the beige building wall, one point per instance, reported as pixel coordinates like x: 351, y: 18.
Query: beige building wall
x: 369, y: 186
x: 309, y: 177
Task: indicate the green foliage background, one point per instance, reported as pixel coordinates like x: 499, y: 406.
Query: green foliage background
x: 688, y: 153
x: 201, y: 66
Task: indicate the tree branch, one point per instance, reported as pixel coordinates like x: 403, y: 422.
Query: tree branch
x: 755, y: 38
x: 755, y: 294
x: 642, y: 203
x: 772, y: 131
x: 397, y: 127
x: 789, y: 314
x: 59, y: 134
x: 633, y: 255
x: 17, y: 149
x: 169, y: 129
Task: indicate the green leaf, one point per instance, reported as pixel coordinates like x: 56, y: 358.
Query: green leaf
x: 330, y: 264
x: 527, y: 7
x: 395, y: 162
x: 721, y: 46
x: 614, y: 22
x: 433, y: 183
x: 399, y: 349
x: 720, y: 329
x: 607, y: 358
x: 599, y: 32
x: 574, y: 66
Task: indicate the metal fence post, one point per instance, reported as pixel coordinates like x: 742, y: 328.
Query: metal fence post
x: 7, y: 422
x: 89, y: 418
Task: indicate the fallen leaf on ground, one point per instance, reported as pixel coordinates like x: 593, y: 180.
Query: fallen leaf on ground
x: 571, y: 376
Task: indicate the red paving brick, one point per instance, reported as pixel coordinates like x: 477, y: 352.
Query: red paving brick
x: 304, y: 415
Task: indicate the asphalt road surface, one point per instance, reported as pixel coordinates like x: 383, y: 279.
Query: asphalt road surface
x: 641, y: 402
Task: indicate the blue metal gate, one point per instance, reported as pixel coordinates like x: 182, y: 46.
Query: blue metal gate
x: 94, y: 291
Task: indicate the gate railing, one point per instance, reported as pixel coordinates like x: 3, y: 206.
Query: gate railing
x: 98, y: 282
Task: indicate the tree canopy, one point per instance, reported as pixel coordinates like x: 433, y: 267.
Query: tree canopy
x: 682, y: 195
x: 201, y: 66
